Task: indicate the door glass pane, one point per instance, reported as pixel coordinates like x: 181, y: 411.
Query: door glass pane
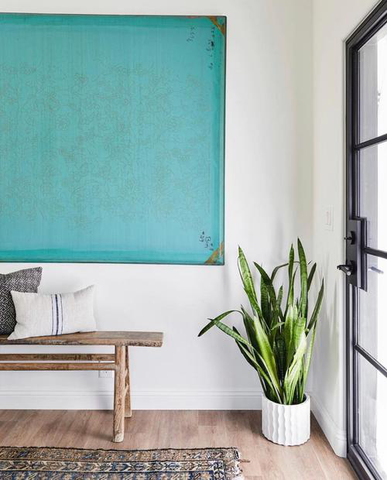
x: 373, y: 194
x: 373, y: 415
x: 373, y: 86
x: 373, y: 310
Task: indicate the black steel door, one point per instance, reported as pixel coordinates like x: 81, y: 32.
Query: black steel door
x: 366, y: 245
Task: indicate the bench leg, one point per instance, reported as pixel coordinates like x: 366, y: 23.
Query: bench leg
x: 128, y: 407
x: 119, y: 395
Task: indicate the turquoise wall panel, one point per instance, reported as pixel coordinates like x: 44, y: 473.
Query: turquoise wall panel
x: 112, y: 138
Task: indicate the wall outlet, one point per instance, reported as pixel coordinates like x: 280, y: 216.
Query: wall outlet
x: 105, y: 374
x: 328, y: 217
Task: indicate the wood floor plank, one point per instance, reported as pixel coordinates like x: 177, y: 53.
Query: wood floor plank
x: 261, y: 459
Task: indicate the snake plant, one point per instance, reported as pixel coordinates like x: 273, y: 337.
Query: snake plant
x: 280, y: 329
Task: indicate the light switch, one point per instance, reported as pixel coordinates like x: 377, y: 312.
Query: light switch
x: 328, y: 217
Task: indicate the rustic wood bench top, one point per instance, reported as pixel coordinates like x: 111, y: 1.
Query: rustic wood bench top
x: 123, y: 339
x: 117, y: 362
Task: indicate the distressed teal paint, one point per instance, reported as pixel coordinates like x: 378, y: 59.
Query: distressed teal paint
x: 111, y: 138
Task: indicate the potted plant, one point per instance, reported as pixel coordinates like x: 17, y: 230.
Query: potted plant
x: 280, y: 331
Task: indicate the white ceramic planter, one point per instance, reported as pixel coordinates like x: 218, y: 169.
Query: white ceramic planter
x: 286, y: 424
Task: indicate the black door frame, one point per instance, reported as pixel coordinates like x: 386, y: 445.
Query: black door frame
x: 375, y: 20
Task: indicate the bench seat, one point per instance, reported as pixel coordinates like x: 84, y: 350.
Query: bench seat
x: 128, y: 339
x: 117, y: 362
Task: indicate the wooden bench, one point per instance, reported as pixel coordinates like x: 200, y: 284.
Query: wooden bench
x: 118, y: 362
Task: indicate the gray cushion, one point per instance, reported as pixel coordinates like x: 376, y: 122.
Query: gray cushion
x: 21, y: 281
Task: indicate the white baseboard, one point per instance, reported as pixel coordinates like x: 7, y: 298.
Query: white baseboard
x: 141, y: 400
x: 336, y: 436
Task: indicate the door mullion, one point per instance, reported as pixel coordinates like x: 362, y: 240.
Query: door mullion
x: 371, y: 141
x: 354, y: 210
x: 371, y: 359
x: 375, y: 252
x: 355, y: 367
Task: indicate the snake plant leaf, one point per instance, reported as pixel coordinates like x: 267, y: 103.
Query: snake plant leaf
x: 213, y: 320
x: 291, y: 380
x: 311, y: 275
x: 271, y: 372
x: 299, y: 391
x: 276, y: 269
x: 277, y: 325
x: 298, y: 329
x: 290, y: 299
x: 248, y: 359
x: 303, y: 279
x: 250, y: 329
x: 267, y: 385
x: 246, y: 352
x: 317, y: 307
x: 268, y: 283
x: 274, y: 384
x: 280, y: 296
x: 280, y: 353
x: 291, y: 316
x: 299, y: 325
x: 265, y: 304
x: 278, y: 316
x: 247, y: 280
x: 265, y: 380
x: 308, y: 356
x: 293, y: 372
x: 290, y: 275
x: 266, y: 353
x: 229, y: 331
x: 300, y: 341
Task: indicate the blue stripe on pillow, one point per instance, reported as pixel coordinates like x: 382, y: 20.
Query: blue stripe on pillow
x: 57, y: 314
x: 61, y: 314
x: 52, y: 315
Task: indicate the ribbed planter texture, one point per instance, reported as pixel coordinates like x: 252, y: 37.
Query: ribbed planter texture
x: 286, y: 424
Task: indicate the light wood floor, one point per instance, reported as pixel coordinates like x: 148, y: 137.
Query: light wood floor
x: 179, y: 429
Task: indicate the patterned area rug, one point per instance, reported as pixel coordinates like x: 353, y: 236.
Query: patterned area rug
x: 19, y: 463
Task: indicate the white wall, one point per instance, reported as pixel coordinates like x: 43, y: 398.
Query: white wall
x: 333, y: 21
x: 268, y: 203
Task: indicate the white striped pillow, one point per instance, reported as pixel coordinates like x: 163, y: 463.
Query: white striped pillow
x: 40, y: 315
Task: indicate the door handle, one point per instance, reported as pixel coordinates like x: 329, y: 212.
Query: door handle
x: 355, y: 267
x: 347, y: 269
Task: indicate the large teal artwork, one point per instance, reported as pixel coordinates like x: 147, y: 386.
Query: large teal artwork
x: 112, y: 138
